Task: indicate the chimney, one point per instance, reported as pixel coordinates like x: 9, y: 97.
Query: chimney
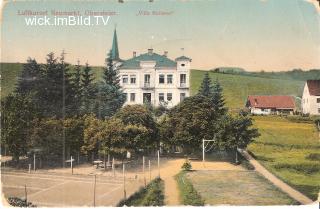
x: 165, y: 53
x: 134, y: 54
x: 150, y: 51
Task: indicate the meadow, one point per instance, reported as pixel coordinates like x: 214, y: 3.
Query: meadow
x: 290, y: 150
x: 236, y: 88
x: 246, y: 188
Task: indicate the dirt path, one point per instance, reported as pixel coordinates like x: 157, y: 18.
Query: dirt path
x: 276, y: 181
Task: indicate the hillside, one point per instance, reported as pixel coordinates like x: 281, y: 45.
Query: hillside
x: 11, y: 71
x: 238, y: 87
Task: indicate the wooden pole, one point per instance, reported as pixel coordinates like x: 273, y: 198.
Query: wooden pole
x: 29, y: 168
x: 25, y: 194
x: 149, y: 171
x: 104, y: 160
x: 34, y: 162
x: 71, y: 165
x: 144, y: 175
x: 113, y: 168
x: 124, y: 181
x: 158, y: 163
x: 94, y: 191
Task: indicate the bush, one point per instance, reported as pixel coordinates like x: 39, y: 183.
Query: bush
x: 151, y: 195
x: 313, y: 156
x: 188, y: 195
x: 186, y: 166
x: 18, y: 202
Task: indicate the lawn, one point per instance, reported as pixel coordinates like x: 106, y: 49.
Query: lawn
x: 236, y: 187
x: 291, y: 151
x: 238, y: 87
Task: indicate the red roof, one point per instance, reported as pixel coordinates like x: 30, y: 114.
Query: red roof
x: 314, y: 87
x: 274, y: 102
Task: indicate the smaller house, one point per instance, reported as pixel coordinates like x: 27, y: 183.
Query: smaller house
x: 310, y: 102
x: 266, y: 105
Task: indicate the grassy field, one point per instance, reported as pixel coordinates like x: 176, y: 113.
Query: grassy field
x: 238, y: 87
x: 291, y: 151
x: 11, y: 71
x: 236, y: 188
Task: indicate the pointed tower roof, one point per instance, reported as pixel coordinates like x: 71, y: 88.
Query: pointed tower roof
x: 115, y: 50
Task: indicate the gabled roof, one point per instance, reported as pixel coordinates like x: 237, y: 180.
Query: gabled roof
x: 181, y: 58
x: 161, y: 61
x: 314, y: 87
x: 273, y: 102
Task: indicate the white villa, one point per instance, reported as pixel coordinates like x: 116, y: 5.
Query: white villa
x: 152, y: 78
x: 310, y: 102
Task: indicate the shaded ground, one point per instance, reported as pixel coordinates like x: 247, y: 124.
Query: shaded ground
x: 236, y: 187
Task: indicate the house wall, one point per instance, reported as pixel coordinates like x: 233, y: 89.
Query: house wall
x: 309, y: 103
x: 258, y: 111
x: 155, y: 88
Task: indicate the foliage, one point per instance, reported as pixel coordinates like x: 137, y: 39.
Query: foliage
x: 189, y: 122
x: 140, y: 130
x: 151, y: 195
x: 18, y: 202
x: 237, y: 132
x: 313, y: 156
x: 17, y: 113
x: 186, y: 166
x: 88, y: 90
x: 206, y: 86
x: 188, y: 194
x: 217, y: 99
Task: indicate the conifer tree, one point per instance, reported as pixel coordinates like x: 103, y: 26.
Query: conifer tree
x: 87, y: 87
x: 206, y: 87
x: 77, y: 88
x: 217, y: 98
x: 110, y: 74
x: 30, y: 77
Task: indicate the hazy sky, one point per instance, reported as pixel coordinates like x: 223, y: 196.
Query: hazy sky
x: 252, y: 34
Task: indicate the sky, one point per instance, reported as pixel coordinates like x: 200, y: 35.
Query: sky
x: 270, y: 35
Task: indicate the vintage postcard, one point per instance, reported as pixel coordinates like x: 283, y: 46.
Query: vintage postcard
x: 147, y: 103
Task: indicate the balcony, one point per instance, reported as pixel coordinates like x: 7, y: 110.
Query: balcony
x: 183, y: 86
x: 147, y: 86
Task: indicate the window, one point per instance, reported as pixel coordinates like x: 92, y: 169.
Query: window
x: 183, y: 78
x: 169, y: 79
x: 125, y: 79
x: 147, y: 78
x: 132, y: 79
x: 169, y: 96
x: 161, y: 78
x: 132, y: 97
x: 318, y: 100
x: 182, y: 96
x: 182, y: 65
x: 161, y: 97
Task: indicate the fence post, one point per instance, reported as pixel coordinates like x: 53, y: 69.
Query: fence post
x: 34, y: 162
x: 158, y: 163
x: 113, y: 168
